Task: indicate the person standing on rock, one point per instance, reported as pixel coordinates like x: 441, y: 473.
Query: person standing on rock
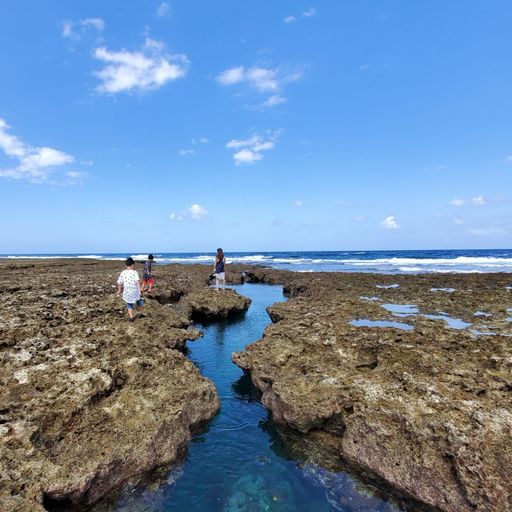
x: 218, y: 268
x: 148, y: 279
x: 129, y: 284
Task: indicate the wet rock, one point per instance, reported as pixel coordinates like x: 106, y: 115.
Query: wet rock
x: 210, y: 304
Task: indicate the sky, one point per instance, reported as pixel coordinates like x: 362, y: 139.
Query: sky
x: 185, y: 125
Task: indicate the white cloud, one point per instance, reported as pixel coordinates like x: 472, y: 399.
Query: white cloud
x: 197, y: 211
x: 76, y: 29
x: 309, y: 13
x: 87, y: 162
x: 97, y: 23
x: 297, y: 203
x: 185, y: 152
x: 290, y: 19
x: 390, y: 223
x: 509, y: 159
x: 163, y: 10
x: 489, y: 232
x: 232, y: 76
x: 201, y: 140
x: 144, y: 70
x: 250, y: 150
x: 272, y: 101
x: 76, y: 174
x: 264, y: 80
x: 343, y: 204
x: 476, y: 201
x: 33, y: 163
x: 359, y: 218
x: 458, y: 221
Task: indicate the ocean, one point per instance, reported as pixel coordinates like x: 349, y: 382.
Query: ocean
x: 385, y: 262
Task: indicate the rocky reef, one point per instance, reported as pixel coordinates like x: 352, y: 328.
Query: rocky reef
x: 211, y: 304
x: 422, y: 406
x: 88, y: 400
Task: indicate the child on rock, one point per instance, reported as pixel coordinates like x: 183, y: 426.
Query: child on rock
x: 129, y: 284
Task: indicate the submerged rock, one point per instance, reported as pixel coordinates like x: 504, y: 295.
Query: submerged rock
x: 210, y: 304
x: 426, y: 414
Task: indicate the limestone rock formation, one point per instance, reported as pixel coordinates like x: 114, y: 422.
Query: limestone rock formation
x: 426, y: 413
x: 87, y: 399
x: 210, y: 304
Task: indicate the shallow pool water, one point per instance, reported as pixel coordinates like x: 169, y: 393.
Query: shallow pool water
x: 364, y: 322
x: 240, y: 462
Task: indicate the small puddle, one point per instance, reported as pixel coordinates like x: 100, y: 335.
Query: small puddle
x: 371, y: 299
x: 451, y: 323
x: 388, y: 286
x: 481, y: 313
x: 447, y: 290
x: 401, y: 309
x: 364, y: 322
x: 482, y: 333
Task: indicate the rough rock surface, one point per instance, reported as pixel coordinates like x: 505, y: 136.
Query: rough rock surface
x: 427, y: 413
x: 210, y: 304
x: 89, y: 400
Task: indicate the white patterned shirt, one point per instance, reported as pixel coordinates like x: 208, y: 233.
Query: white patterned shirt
x: 129, y: 279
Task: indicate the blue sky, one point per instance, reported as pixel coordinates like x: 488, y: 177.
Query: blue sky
x: 187, y: 125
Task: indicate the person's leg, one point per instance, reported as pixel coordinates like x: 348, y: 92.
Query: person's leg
x: 130, y: 311
x: 140, y: 307
x: 151, y: 284
x: 222, y: 279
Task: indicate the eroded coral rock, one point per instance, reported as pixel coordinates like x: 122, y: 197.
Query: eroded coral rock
x: 427, y: 412
x: 210, y: 304
x: 87, y: 399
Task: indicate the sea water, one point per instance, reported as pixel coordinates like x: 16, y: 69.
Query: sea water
x: 240, y: 462
x: 385, y: 262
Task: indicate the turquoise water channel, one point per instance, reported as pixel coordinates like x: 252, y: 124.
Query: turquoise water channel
x: 240, y: 461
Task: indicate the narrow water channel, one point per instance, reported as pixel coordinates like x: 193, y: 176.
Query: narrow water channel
x: 239, y: 463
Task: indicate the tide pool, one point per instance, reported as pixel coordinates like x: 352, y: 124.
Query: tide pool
x: 240, y: 462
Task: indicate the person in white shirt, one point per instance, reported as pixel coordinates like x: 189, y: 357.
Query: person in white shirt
x: 129, y: 284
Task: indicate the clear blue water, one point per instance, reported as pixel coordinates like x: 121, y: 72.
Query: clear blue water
x: 240, y: 462
x: 386, y: 262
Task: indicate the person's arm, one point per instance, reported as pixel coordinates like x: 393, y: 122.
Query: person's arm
x: 119, y: 285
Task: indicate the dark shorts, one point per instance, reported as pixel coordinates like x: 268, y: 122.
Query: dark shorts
x: 139, y: 303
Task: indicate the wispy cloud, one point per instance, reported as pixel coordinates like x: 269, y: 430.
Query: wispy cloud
x: 508, y: 159
x: 147, y: 69
x: 475, y: 201
x: 309, y: 13
x: 34, y: 164
x: 458, y: 221
x: 498, y: 232
x: 186, y: 152
x: 201, y: 140
x: 390, y: 223
x: 249, y: 151
x: 359, y: 218
x: 76, y: 29
x: 297, y: 203
x: 265, y: 80
x: 164, y: 9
